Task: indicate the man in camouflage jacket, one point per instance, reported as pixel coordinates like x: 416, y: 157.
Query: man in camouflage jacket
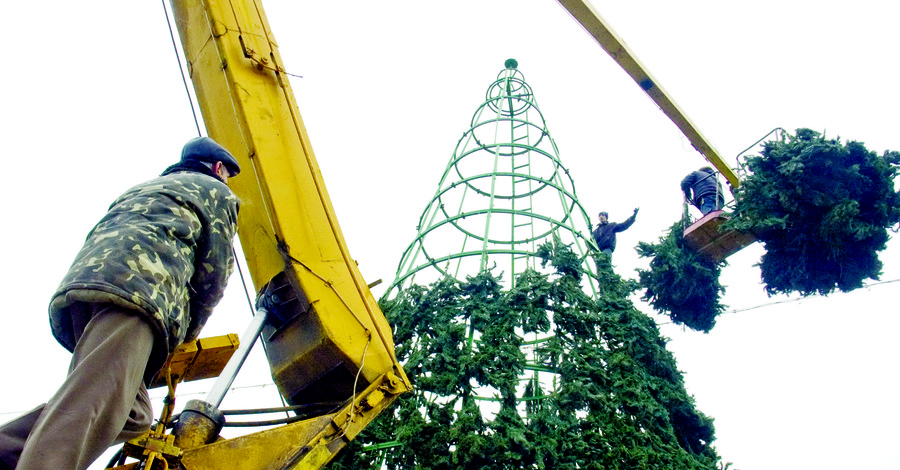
x: 146, y: 279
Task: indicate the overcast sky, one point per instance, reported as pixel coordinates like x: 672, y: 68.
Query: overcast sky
x: 94, y: 103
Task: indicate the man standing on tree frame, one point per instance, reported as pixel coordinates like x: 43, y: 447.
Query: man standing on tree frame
x: 605, y: 233
x: 146, y: 280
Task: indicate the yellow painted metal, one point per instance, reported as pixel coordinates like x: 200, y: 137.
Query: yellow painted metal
x: 150, y: 445
x: 304, y: 445
x: 199, y: 359
x: 287, y: 225
x: 707, y: 238
x: 599, y: 29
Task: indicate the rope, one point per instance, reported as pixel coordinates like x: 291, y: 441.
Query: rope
x: 355, y: 382
x: 181, y: 69
x: 786, y: 301
x: 335, y: 291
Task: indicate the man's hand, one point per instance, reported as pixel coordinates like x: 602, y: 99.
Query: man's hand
x: 636, y: 209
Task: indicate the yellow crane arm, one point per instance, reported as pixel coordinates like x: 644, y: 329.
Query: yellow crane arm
x: 330, y: 341
x: 599, y: 29
x: 287, y: 225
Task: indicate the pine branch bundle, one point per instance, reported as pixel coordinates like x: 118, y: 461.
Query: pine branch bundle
x: 822, y: 210
x: 680, y: 282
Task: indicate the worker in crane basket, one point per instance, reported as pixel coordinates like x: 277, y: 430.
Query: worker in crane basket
x: 707, y: 190
x: 146, y: 280
x: 605, y: 233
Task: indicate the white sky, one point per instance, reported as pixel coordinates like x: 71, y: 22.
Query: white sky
x: 94, y: 104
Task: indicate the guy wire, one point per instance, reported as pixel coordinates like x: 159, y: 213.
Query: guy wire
x: 181, y: 69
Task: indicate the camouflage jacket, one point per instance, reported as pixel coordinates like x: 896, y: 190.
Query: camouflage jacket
x: 163, y: 249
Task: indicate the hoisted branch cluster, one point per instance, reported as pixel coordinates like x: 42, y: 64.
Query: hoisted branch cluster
x: 680, y: 282
x: 822, y: 210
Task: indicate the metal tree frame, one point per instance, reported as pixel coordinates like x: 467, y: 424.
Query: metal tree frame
x: 504, y: 193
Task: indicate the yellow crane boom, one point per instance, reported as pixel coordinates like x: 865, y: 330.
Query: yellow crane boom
x: 588, y: 17
x: 328, y: 340
x: 287, y: 225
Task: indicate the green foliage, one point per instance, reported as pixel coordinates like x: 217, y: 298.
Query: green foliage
x: 680, y: 282
x: 822, y: 209
x: 618, y: 401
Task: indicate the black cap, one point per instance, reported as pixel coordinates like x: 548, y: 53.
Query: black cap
x: 204, y: 149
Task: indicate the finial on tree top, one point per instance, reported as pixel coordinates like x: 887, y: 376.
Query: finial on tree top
x: 511, y: 63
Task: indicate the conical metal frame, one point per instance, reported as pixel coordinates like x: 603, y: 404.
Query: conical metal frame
x: 504, y: 193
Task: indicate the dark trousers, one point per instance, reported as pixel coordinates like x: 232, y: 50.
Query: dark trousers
x: 102, y: 402
x: 707, y: 204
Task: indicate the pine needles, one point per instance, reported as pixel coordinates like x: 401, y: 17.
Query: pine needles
x: 822, y: 210
x: 608, y: 394
x: 680, y: 282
